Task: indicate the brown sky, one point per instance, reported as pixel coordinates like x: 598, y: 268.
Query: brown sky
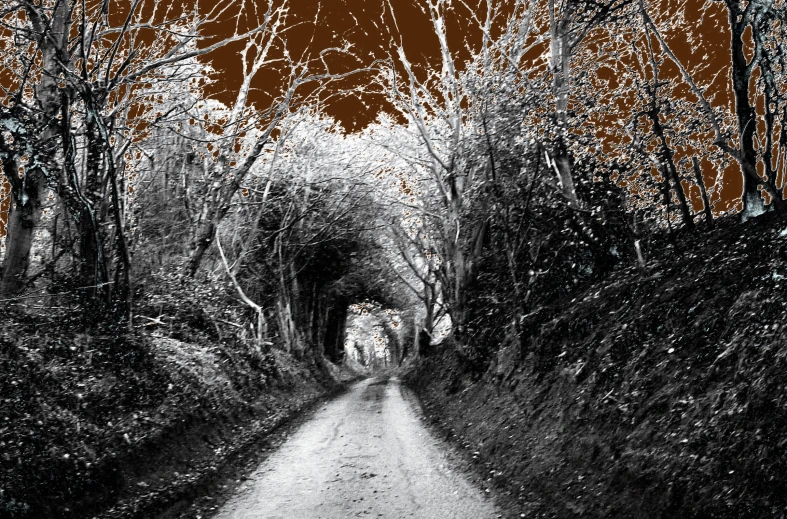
x: 369, y: 27
x: 701, y: 40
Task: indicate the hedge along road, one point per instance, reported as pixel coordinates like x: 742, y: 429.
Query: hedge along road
x: 365, y: 454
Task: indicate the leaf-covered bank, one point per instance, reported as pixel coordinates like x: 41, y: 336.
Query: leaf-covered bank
x: 127, y: 425
x: 653, y: 394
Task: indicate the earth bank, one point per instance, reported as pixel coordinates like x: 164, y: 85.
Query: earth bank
x: 650, y: 394
x: 128, y: 425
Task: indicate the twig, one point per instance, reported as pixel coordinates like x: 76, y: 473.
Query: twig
x: 57, y: 294
x: 236, y: 325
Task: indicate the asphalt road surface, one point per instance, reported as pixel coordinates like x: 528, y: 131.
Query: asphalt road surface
x: 365, y: 454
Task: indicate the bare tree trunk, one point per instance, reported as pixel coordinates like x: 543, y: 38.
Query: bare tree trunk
x: 771, y: 97
x: 287, y: 298
x: 746, y: 155
x: 27, y: 193
x: 250, y: 239
x: 685, y: 210
x: 262, y: 325
x: 123, y: 250
x: 94, y: 267
x: 744, y: 112
x: 457, y: 272
x: 560, y: 37
x: 204, y: 237
x: 703, y: 192
x: 429, y: 290
x: 207, y: 230
x: 23, y: 219
x: 314, y: 319
x: 669, y: 170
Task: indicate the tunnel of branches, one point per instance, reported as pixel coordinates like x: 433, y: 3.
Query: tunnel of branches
x: 497, y: 175
x: 311, y: 269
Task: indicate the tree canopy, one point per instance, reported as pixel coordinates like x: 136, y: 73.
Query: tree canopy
x: 454, y: 162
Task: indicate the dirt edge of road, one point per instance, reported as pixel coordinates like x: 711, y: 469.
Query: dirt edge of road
x: 227, y: 452
x: 203, y: 496
x: 459, y: 454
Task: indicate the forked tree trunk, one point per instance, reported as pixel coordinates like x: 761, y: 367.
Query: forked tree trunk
x: 218, y: 210
x: 28, y: 193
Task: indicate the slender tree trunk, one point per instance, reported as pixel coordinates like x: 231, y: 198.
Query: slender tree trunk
x: 284, y: 317
x: 703, y: 192
x: 204, y: 236
x: 561, y: 73
x: 94, y: 268
x: 91, y: 249
x: 123, y: 249
x: 771, y: 94
x: 288, y: 313
x: 744, y: 112
x: 666, y: 192
x: 685, y: 210
x: 669, y: 170
x: 314, y: 319
x: 207, y: 230
x: 457, y: 274
x: 429, y: 292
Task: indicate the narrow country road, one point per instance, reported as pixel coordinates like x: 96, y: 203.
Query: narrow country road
x: 365, y: 454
